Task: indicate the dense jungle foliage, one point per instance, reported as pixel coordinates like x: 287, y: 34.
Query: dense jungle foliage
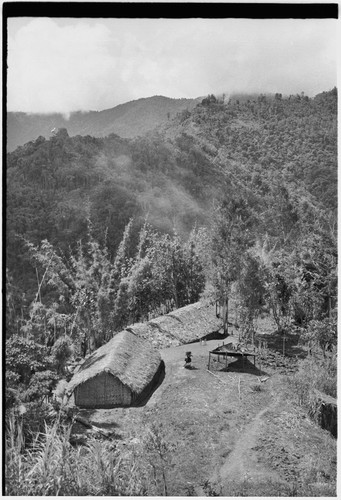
x: 235, y: 197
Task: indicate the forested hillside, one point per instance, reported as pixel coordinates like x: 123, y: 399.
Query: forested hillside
x: 273, y: 158
x: 130, y: 119
x: 236, y: 197
x: 293, y: 139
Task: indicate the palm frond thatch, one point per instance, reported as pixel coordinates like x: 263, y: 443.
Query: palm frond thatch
x: 183, y: 325
x: 126, y: 356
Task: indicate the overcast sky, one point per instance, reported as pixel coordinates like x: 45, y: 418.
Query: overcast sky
x: 65, y: 65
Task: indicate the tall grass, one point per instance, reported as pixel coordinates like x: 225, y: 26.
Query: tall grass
x: 320, y: 374
x: 314, y: 374
x: 52, y: 467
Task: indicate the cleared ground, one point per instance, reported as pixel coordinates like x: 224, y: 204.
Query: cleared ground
x: 232, y: 433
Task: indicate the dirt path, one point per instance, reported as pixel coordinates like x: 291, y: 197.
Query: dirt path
x: 174, y: 358
x: 242, y: 463
x: 224, y: 435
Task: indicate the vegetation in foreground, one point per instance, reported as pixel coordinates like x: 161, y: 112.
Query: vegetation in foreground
x: 53, y: 467
x: 153, y: 452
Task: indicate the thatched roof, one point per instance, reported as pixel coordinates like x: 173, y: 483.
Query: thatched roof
x: 126, y: 356
x: 183, y: 325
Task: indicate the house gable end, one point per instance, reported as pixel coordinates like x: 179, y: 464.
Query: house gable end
x: 104, y: 390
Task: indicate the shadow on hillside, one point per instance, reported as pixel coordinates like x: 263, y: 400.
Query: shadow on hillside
x: 238, y: 366
x: 90, y: 415
x: 83, y: 427
x: 216, y: 335
x: 157, y: 380
x: 274, y: 342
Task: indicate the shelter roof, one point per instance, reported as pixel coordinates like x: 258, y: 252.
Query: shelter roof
x: 228, y: 351
x: 185, y: 324
x: 133, y: 360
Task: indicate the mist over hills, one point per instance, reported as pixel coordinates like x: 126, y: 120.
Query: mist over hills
x: 277, y: 156
x: 119, y: 214
x: 130, y: 119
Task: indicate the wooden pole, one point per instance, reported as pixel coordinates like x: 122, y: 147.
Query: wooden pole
x: 209, y: 360
x: 38, y: 293
x: 225, y: 315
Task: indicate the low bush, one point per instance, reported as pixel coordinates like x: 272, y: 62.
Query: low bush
x: 52, y: 467
x: 256, y: 388
x: 315, y: 375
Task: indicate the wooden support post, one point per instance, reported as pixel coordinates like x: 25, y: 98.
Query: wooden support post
x: 226, y: 315
x: 226, y: 361
x: 209, y: 360
x: 284, y: 339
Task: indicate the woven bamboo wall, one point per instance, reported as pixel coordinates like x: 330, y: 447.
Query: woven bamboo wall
x: 102, y: 391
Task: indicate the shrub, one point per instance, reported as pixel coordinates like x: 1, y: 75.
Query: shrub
x: 52, y: 466
x: 256, y: 388
x: 314, y: 374
x: 24, y: 357
x: 41, y: 385
x: 61, y: 352
x: 320, y: 374
x: 34, y: 419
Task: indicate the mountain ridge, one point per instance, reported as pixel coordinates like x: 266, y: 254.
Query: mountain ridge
x: 264, y: 151
x: 127, y: 120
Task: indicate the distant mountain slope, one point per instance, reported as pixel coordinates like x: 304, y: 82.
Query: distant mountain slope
x: 267, y: 139
x: 130, y: 119
x: 274, y: 158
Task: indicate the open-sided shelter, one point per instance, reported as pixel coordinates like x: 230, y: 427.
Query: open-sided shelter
x: 229, y: 350
x: 120, y: 373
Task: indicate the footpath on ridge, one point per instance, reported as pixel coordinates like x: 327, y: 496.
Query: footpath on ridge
x: 227, y: 433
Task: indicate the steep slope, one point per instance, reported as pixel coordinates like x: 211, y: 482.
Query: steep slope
x: 223, y: 437
x: 54, y: 186
x: 272, y: 158
x: 268, y: 140
x: 126, y: 120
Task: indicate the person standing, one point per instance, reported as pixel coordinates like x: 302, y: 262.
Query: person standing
x: 188, y: 359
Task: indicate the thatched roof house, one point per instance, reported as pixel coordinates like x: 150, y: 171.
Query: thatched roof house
x: 120, y: 373
x: 187, y: 324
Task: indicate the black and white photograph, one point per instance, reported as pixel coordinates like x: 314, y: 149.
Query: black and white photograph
x: 170, y: 283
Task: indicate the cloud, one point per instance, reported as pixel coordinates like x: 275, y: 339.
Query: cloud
x: 57, y: 68
x: 80, y: 64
